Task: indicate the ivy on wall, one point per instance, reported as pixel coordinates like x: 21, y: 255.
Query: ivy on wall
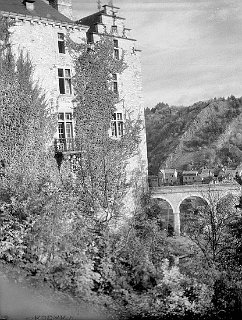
x: 102, y: 173
x: 26, y: 124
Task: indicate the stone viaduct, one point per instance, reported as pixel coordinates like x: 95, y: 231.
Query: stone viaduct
x: 175, y: 195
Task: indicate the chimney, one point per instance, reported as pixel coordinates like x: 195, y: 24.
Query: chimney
x: 63, y: 6
x: 29, y: 4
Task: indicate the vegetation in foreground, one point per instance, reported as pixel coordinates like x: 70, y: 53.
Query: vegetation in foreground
x: 58, y: 231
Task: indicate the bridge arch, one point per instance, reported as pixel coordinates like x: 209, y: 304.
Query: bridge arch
x: 189, y: 207
x: 193, y: 195
x: 175, y: 195
x: 167, y: 200
x: 166, y: 215
x: 202, y: 199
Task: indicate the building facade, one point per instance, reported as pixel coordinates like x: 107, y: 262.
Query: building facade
x: 168, y: 176
x: 40, y: 29
x: 190, y: 177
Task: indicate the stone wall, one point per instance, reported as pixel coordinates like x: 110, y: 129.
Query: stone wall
x: 130, y: 91
x: 39, y: 40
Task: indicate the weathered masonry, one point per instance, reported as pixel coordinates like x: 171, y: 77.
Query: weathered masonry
x: 40, y: 30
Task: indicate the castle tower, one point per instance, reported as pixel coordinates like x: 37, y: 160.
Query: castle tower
x: 108, y: 22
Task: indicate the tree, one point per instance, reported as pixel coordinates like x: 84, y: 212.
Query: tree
x: 54, y: 231
x: 27, y: 161
x: 101, y: 174
x: 26, y: 123
x: 147, y: 283
x: 216, y: 230
x: 209, y: 228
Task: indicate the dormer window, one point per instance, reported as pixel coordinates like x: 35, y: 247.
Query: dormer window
x: 61, y: 43
x: 30, y: 4
x: 114, y: 29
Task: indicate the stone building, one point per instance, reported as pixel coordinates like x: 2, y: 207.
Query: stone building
x: 40, y: 28
x: 168, y: 176
x: 190, y: 177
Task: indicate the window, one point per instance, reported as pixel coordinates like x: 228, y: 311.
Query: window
x: 64, y: 76
x: 116, y: 49
x: 65, y: 131
x: 61, y: 43
x: 116, y: 54
x: 117, y: 125
x: 115, y: 83
x: 114, y: 29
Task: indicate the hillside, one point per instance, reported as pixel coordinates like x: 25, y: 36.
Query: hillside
x: 205, y: 134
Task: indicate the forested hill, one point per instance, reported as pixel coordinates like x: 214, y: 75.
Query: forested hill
x: 204, y: 134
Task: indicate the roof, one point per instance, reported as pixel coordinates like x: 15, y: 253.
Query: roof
x: 97, y: 17
x: 167, y: 171
x: 207, y: 170
x: 227, y: 172
x: 190, y: 173
x: 42, y: 10
x: 92, y: 19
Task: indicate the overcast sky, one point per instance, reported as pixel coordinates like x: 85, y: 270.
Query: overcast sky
x: 191, y: 49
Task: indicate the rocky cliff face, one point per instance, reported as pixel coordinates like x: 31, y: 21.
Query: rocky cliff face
x: 204, y: 134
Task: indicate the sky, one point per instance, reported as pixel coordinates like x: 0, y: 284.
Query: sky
x: 191, y: 49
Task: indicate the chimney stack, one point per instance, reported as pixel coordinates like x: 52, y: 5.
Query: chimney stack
x: 63, y: 6
x: 29, y: 4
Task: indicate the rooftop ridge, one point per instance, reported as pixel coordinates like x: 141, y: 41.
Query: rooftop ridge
x: 40, y: 9
x: 110, y: 6
x: 15, y: 15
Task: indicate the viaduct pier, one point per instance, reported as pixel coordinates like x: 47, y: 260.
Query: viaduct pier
x: 175, y: 195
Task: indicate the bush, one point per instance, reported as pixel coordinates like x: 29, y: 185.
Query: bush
x: 174, y: 295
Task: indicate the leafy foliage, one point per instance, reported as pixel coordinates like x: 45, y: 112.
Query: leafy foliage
x: 209, y: 228
x: 101, y: 174
x: 25, y: 122
x: 53, y: 230
x: 216, y: 230
x: 174, y: 295
x: 58, y: 228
